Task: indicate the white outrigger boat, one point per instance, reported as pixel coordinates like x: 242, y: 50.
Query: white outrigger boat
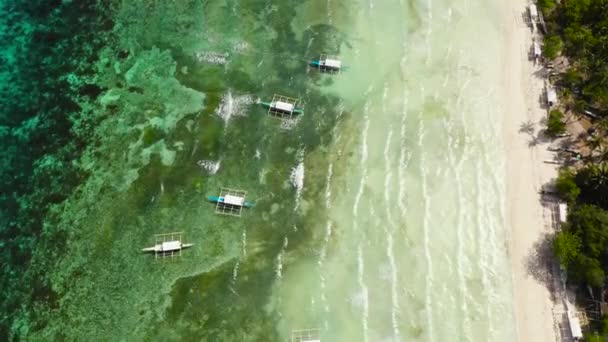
x: 168, y: 246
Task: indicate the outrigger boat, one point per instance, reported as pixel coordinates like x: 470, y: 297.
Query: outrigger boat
x: 168, y: 246
x: 282, y: 107
x: 231, y: 200
x: 328, y: 64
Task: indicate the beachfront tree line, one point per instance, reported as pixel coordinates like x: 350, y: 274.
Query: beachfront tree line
x: 576, y: 42
x: 578, y: 30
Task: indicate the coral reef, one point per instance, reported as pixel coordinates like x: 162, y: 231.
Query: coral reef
x: 108, y: 156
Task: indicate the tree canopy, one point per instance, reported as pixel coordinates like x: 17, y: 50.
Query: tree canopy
x: 580, y: 30
x: 566, y: 185
x: 553, y: 46
x: 555, y: 123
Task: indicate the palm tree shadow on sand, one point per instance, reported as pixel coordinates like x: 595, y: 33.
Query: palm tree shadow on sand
x: 540, y: 261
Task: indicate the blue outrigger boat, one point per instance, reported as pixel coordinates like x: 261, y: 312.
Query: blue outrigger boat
x: 329, y: 65
x: 231, y: 200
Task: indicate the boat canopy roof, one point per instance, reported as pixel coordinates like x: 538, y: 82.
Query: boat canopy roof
x: 333, y: 63
x: 234, y: 200
x: 284, y: 106
x: 171, y: 246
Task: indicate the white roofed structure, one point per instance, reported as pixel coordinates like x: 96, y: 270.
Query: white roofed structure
x: 573, y: 321
x: 536, y: 50
x: 533, y: 12
x: 562, y: 209
x: 551, y: 96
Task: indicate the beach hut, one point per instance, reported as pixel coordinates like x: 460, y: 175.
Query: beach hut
x: 306, y: 335
x: 167, y: 245
x: 327, y: 64
x: 573, y: 321
x: 533, y: 12
x: 536, y: 51
x: 282, y: 107
x: 230, y: 202
x: 551, y: 96
x: 562, y: 210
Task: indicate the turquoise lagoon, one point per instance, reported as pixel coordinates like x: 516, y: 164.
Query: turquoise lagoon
x: 379, y: 213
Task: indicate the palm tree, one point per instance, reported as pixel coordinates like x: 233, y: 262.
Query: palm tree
x: 595, y: 143
x: 603, y: 124
x: 567, y: 98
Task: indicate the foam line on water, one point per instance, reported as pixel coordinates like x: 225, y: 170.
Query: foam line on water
x: 231, y: 106
x: 425, y: 227
x: 320, y: 265
x: 297, y: 177
x: 460, y: 253
x: 364, y: 293
x: 363, y: 163
x: 244, y: 243
x: 404, y: 158
x: 328, y: 185
x: 389, y: 233
x: 279, y: 261
x: 235, y: 272
x: 389, y: 236
x: 328, y: 232
x: 210, y: 166
x: 482, y: 235
x: 362, y: 182
x: 494, y: 203
x: 429, y: 32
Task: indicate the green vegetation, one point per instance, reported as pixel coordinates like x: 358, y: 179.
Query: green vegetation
x: 582, y: 246
x: 546, y: 6
x: 555, y: 123
x: 593, y: 337
x: 553, y: 46
x: 592, y: 181
x: 578, y: 28
x: 566, y: 247
x: 566, y: 185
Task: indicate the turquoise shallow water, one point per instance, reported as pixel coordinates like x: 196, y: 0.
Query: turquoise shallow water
x: 379, y: 212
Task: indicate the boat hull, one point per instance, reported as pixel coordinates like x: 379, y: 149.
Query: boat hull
x: 158, y: 248
x: 295, y: 111
x: 216, y: 199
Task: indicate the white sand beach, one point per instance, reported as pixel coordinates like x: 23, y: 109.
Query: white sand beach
x: 529, y: 222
